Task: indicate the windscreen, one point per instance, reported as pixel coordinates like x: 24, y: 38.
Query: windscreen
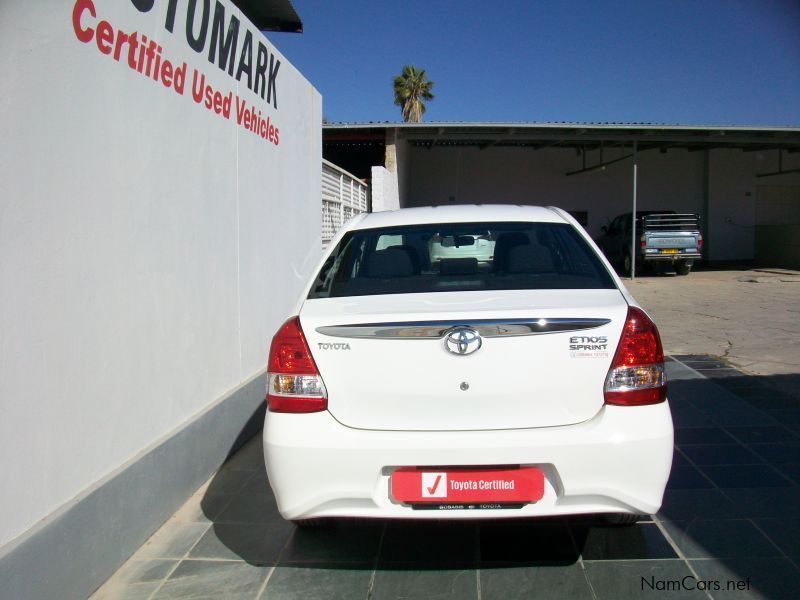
x: 460, y: 257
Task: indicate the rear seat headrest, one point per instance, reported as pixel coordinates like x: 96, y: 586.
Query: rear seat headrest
x: 530, y: 258
x: 392, y: 262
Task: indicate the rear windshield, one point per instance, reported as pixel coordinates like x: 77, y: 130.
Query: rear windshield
x: 460, y: 257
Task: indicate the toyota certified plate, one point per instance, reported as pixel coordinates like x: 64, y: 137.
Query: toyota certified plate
x: 462, y: 486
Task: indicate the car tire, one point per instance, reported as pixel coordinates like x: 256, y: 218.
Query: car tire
x: 626, y: 265
x: 621, y: 519
x: 683, y: 267
x: 315, y: 523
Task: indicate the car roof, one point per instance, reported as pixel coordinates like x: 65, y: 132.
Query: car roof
x: 461, y: 213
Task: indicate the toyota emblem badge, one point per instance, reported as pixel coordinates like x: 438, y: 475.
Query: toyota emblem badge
x: 463, y: 340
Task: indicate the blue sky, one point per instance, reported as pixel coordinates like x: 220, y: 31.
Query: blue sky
x: 716, y: 62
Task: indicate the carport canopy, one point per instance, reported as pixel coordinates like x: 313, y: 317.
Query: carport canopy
x: 584, y: 137
x: 598, y: 144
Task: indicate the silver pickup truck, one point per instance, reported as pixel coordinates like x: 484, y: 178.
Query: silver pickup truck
x: 665, y: 237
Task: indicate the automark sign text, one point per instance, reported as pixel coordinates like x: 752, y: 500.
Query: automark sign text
x: 218, y: 32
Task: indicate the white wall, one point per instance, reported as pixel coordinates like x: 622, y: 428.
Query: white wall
x: 384, y: 190
x: 731, y: 205
x: 403, y: 172
x: 733, y: 193
x: 720, y: 185
x: 148, y: 246
x: 522, y: 175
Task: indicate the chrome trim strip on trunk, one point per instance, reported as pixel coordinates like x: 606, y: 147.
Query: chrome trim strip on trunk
x: 485, y: 327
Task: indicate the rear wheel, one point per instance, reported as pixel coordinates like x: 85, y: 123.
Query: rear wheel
x: 626, y: 265
x: 621, y: 519
x: 310, y: 523
x: 683, y: 267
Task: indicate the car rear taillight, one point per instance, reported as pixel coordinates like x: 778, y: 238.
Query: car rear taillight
x: 294, y: 383
x: 637, y: 375
x: 699, y: 242
x: 643, y: 242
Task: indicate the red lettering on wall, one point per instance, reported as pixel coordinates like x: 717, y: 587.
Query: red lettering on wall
x: 104, y: 37
x: 81, y: 6
x: 145, y: 58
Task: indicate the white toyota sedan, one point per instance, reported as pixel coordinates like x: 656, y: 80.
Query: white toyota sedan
x: 525, y: 386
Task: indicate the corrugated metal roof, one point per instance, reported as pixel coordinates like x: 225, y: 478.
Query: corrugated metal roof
x: 559, y: 125
x: 568, y: 134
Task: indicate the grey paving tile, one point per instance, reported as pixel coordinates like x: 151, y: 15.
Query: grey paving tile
x: 703, y: 435
x: 428, y: 545
x: 552, y: 582
x: 145, y: 571
x: 291, y: 583
x: 782, y: 452
x: 258, y: 484
x: 115, y: 590
x: 683, y: 505
x: 249, y: 458
x: 717, y: 368
x: 750, y: 435
x: 720, y: 454
x: 743, y: 417
x: 784, y: 532
x: 790, y: 416
x: 249, y: 508
x: 439, y: 584
x: 624, y: 580
x: 791, y: 470
x: 719, y: 538
x: 745, y: 384
x: 761, y: 578
x: 252, y: 542
x: 637, y: 542
x: 688, y: 417
x: 228, y: 481
x: 763, y: 399
x: 765, y: 502
x: 689, y: 358
x: 751, y: 476
x: 199, y: 579
x: 202, y: 508
x: 173, y: 540
x: 678, y: 459
x: 342, y: 543
x: 687, y: 477
x: 710, y: 363
x: 527, y: 544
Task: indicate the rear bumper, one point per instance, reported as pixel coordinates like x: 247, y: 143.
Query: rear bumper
x: 671, y: 257
x: 619, y: 461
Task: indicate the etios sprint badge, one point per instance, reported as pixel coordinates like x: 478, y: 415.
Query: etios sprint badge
x: 583, y: 346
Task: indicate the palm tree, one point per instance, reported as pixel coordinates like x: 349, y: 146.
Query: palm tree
x: 411, y: 87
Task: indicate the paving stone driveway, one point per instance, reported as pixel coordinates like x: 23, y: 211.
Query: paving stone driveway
x: 751, y: 317
x: 730, y: 523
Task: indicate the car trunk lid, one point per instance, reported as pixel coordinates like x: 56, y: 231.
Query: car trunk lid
x: 542, y: 361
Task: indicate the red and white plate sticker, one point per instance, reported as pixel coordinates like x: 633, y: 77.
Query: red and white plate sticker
x: 411, y: 485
